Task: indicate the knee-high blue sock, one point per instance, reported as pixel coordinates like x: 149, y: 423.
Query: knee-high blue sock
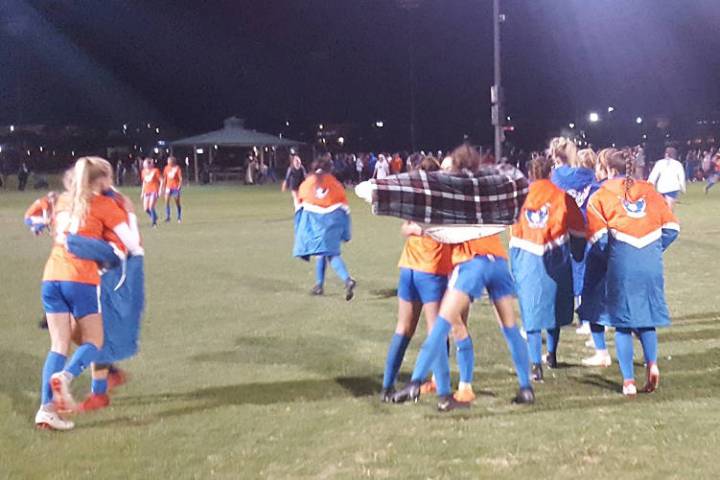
x: 534, y: 340
x: 649, y: 341
x: 167, y: 211
x: 81, y: 359
x: 153, y: 216
x: 441, y: 370
x: 338, y: 265
x: 465, y: 359
x: 433, y: 346
x: 394, y: 359
x: 320, y: 265
x: 99, y: 387
x: 179, y: 210
x: 54, y: 362
x: 624, y: 348
x: 519, y: 353
x: 598, y: 336
x: 553, y: 338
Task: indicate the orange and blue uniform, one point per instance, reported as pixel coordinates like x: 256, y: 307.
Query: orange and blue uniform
x: 549, y: 232
x: 424, y: 265
x: 172, y: 177
x: 39, y: 215
x: 481, y: 264
x: 151, y: 180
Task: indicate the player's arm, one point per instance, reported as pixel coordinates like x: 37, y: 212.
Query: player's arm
x: 409, y: 229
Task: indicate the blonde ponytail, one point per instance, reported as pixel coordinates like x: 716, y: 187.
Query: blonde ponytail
x: 86, y: 171
x: 563, y: 151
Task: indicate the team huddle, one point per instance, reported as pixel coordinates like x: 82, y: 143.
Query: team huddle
x: 585, y: 237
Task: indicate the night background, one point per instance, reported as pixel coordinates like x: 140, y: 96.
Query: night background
x: 187, y: 65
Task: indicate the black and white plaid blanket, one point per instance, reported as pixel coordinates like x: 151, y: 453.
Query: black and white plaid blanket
x: 491, y: 196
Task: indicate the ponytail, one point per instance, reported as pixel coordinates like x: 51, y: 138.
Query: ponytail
x: 629, y: 167
x: 84, y: 174
x: 622, y: 161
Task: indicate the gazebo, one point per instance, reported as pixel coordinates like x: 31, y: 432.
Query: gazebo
x: 233, y: 134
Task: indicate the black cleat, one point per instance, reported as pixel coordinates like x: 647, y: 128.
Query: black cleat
x: 350, y: 289
x: 525, y: 396
x: 551, y: 360
x: 386, y: 395
x: 536, y: 373
x: 411, y: 392
x: 43, y: 323
x: 447, y: 403
x: 317, y: 290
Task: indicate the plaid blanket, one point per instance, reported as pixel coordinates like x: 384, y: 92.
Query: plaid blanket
x: 491, y: 196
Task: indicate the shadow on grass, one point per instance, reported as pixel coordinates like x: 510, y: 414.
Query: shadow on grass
x: 384, y: 293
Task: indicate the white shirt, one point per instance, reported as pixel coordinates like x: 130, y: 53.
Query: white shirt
x: 382, y: 169
x: 668, y: 175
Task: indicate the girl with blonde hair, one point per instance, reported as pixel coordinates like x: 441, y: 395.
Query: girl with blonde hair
x: 70, y: 286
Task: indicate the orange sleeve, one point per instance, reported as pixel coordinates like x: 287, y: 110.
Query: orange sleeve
x: 34, y: 210
x: 595, y: 217
x: 110, y: 213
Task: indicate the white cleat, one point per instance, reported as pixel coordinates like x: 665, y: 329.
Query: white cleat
x: 50, y: 420
x: 600, y: 359
x: 62, y: 398
x: 583, y: 329
x: 629, y: 389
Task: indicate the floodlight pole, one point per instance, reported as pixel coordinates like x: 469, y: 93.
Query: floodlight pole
x: 497, y: 96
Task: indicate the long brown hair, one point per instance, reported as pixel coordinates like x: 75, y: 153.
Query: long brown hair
x: 621, y: 161
x: 540, y: 168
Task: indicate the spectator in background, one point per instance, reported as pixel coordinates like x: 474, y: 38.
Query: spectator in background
x: 691, y: 161
x: 382, y: 168
x: 640, y: 163
x: 396, y: 165
x: 360, y: 168
x: 294, y: 177
x: 668, y: 176
x: 23, y: 175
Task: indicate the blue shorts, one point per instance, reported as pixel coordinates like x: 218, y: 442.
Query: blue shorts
x: 483, y: 272
x: 80, y: 299
x: 173, y: 192
x: 674, y: 195
x: 415, y: 286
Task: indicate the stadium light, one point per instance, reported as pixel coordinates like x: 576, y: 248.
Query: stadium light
x: 639, y: 120
x: 611, y: 109
x: 12, y: 128
x: 594, y: 117
x: 199, y: 151
x: 571, y: 125
x: 341, y: 140
x: 156, y: 150
x: 379, y: 124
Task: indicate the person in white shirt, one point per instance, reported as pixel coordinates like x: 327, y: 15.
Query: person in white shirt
x: 382, y: 168
x: 668, y: 176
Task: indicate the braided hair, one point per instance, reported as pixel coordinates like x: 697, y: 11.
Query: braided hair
x: 620, y: 161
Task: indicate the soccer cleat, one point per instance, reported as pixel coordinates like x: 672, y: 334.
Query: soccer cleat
x: 428, y: 387
x: 350, y: 289
x: 600, y: 359
x: 317, y: 290
x: 447, y: 403
x: 117, y: 378
x: 583, y: 329
x: 386, y: 395
x: 550, y: 359
x: 167, y: 220
x: 94, y: 402
x: 536, y: 373
x: 629, y: 389
x: 179, y: 220
x: 411, y: 392
x: 653, y: 378
x: 62, y: 398
x: 50, y: 420
x: 525, y: 396
x: 464, y: 393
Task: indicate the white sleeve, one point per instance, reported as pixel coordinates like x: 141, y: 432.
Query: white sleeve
x: 681, y: 177
x: 130, y: 236
x: 655, y: 173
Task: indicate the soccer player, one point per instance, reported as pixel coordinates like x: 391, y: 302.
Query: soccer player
x: 294, y: 177
x: 40, y: 214
x: 424, y: 268
x: 322, y: 224
x: 151, y: 180
x: 630, y: 225
x: 70, y: 286
x: 549, y: 231
x: 172, y: 185
x: 714, y: 175
x: 668, y: 177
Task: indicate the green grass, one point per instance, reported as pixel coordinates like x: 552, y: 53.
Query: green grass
x: 243, y: 375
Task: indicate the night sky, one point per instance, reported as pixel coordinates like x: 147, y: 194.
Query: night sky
x: 189, y: 64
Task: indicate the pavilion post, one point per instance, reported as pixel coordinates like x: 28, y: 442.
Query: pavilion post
x: 195, y: 158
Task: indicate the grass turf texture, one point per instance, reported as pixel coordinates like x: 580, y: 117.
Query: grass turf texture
x: 242, y: 374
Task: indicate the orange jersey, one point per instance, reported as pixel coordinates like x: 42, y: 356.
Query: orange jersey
x: 322, y: 191
x: 425, y: 254
x: 172, y: 176
x: 490, y: 245
x: 103, y: 215
x: 151, y: 180
x: 40, y: 208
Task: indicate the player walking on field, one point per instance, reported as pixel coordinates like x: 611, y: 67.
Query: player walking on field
x: 171, y: 186
x: 151, y: 180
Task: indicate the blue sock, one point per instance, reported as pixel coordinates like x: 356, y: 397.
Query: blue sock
x: 534, y: 340
x: 338, y: 265
x: 81, y: 359
x: 553, y: 338
x: 649, y: 341
x: 624, y: 348
x: 167, y: 211
x: 441, y: 370
x: 433, y: 346
x: 394, y: 359
x: 179, y: 209
x: 598, y: 336
x: 99, y: 387
x: 519, y: 353
x: 149, y: 212
x: 320, y: 265
x: 465, y: 359
x: 54, y: 363
x: 153, y: 216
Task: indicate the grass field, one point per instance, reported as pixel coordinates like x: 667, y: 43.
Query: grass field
x: 243, y: 375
